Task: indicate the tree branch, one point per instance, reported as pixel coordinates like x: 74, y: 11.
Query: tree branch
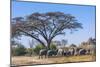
x: 31, y: 36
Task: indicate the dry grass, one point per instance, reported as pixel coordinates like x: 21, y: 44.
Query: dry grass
x: 23, y: 60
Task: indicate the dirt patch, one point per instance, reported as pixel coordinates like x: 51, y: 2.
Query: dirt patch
x: 23, y: 60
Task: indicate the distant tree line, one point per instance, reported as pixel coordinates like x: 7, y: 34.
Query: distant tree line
x: 19, y: 50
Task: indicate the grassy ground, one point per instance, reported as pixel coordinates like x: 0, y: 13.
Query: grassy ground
x: 23, y: 60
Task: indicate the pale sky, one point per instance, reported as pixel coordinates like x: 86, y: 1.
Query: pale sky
x: 84, y: 14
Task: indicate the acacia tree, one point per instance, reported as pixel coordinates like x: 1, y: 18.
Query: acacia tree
x: 45, y: 25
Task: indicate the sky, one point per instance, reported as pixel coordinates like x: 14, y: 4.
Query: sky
x: 85, y: 14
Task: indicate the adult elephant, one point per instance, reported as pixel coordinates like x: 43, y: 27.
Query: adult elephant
x: 43, y: 52
x: 82, y: 52
x: 47, y: 53
x: 60, y: 52
x: 65, y: 53
x: 71, y: 51
x: 77, y: 51
x: 51, y: 53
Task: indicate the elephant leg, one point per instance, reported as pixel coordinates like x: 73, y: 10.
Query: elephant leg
x: 45, y: 56
x: 48, y: 56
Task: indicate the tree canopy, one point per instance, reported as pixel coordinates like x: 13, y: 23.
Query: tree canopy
x: 46, y: 25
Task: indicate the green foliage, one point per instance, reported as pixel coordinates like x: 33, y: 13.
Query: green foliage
x: 38, y: 48
x: 29, y: 51
x: 19, y: 50
x: 53, y: 47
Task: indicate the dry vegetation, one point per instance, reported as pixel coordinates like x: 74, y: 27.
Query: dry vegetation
x: 22, y: 60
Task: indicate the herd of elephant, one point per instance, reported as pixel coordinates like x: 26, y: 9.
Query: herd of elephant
x: 61, y: 52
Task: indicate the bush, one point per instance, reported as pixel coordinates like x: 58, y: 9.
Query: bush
x: 53, y: 47
x: 38, y: 48
x: 20, y: 50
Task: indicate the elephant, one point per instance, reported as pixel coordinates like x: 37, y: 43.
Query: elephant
x: 47, y: 53
x: 82, y: 52
x: 68, y: 52
x: 64, y: 53
x: 71, y: 51
x: 60, y: 52
x: 43, y: 52
x: 77, y: 51
x: 52, y: 52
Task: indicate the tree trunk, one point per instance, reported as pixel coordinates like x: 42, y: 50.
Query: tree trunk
x: 48, y: 44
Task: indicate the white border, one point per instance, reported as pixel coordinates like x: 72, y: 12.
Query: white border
x: 5, y: 33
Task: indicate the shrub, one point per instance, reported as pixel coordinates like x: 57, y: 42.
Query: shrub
x: 19, y: 50
x: 38, y: 48
x: 53, y: 47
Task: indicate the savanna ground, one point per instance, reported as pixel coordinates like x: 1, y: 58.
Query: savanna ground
x: 24, y: 60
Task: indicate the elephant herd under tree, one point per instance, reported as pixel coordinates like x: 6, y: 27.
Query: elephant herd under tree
x: 61, y: 52
x: 47, y: 26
